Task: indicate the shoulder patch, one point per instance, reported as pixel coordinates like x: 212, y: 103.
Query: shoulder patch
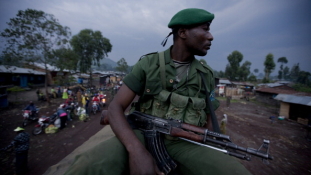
x: 147, y: 55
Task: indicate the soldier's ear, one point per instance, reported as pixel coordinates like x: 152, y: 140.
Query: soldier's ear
x: 182, y: 33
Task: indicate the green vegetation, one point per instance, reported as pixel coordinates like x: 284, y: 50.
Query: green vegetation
x: 302, y: 88
x: 91, y: 47
x: 31, y: 37
x: 122, y: 66
x: 269, y: 66
x: 283, y: 61
x: 15, y: 89
x: 234, y: 71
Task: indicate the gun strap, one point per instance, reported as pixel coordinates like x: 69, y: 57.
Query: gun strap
x: 162, y: 73
x: 162, y: 69
x: 210, y: 106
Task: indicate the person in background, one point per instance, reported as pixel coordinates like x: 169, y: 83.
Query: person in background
x: 59, y: 91
x: 228, y: 101
x: 38, y: 94
x: 83, y: 101
x: 31, y: 107
x: 69, y: 91
x: 61, y: 112
x: 65, y: 94
x: 87, y: 101
x: 69, y: 107
x: 79, y: 96
x: 21, y: 147
x: 97, y: 100
x: 223, y: 124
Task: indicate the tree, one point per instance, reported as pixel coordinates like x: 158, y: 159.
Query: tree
x: 286, y: 73
x: 91, y: 47
x: 283, y: 61
x: 294, y: 72
x: 256, y: 71
x: 269, y: 66
x: 220, y: 74
x: 122, y: 66
x: 244, y: 71
x: 31, y: 37
x: 303, y: 78
x: 65, y: 58
x: 233, y: 67
x: 252, y: 78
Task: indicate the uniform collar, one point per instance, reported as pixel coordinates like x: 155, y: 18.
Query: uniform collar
x: 195, y: 63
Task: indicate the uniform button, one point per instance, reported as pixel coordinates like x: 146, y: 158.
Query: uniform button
x: 171, y: 80
x: 147, y: 90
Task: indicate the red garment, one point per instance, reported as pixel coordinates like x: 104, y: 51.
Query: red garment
x: 95, y: 99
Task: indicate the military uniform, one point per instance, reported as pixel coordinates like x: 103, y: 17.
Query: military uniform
x: 187, y: 97
x: 181, y: 98
x: 167, y: 89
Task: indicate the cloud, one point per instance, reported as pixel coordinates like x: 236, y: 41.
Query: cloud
x: 137, y: 27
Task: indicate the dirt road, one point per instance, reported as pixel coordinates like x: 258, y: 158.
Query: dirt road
x: 248, y: 124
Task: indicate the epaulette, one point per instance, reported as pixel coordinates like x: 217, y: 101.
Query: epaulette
x: 147, y: 55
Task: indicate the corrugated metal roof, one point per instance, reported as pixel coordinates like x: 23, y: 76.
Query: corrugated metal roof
x: 101, y: 72
x: 224, y: 82
x: 19, y: 70
x: 271, y: 84
x: 242, y: 83
x: 275, y: 90
x: 303, y: 100
x: 49, y: 67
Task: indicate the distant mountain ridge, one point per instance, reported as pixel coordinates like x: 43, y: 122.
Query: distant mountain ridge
x: 106, y: 64
x: 109, y: 62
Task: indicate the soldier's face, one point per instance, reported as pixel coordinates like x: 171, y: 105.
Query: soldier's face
x: 199, y: 39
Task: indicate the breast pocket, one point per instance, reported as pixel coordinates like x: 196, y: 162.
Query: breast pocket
x: 152, y: 88
x: 161, y: 104
x: 195, y: 114
x: 177, y: 107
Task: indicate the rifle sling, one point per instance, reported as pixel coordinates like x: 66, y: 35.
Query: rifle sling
x: 210, y: 106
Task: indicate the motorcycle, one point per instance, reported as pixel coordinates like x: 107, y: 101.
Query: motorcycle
x: 44, y: 122
x: 102, y: 100
x: 29, y: 115
x: 94, y: 107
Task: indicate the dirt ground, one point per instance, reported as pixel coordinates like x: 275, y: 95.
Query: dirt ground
x: 45, y: 149
x: 248, y: 124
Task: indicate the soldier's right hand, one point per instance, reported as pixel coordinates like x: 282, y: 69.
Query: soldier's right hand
x: 142, y: 163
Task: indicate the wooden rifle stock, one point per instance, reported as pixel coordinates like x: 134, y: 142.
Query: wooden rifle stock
x: 192, y: 133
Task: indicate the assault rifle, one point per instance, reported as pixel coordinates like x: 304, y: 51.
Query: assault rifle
x: 154, y: 128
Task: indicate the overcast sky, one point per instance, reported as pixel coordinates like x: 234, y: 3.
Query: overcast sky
x: 137, y: 27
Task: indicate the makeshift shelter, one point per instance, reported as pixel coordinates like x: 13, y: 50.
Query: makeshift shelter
x: 295, y: 107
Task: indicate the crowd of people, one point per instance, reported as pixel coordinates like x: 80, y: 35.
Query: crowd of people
x: 20, y: 143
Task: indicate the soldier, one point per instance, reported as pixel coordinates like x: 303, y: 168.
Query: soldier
x: 164, y: 81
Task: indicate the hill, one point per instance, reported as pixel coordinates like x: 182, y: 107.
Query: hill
x: 106, y: 64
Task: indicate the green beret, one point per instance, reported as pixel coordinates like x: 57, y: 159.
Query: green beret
x: 190, y: 16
